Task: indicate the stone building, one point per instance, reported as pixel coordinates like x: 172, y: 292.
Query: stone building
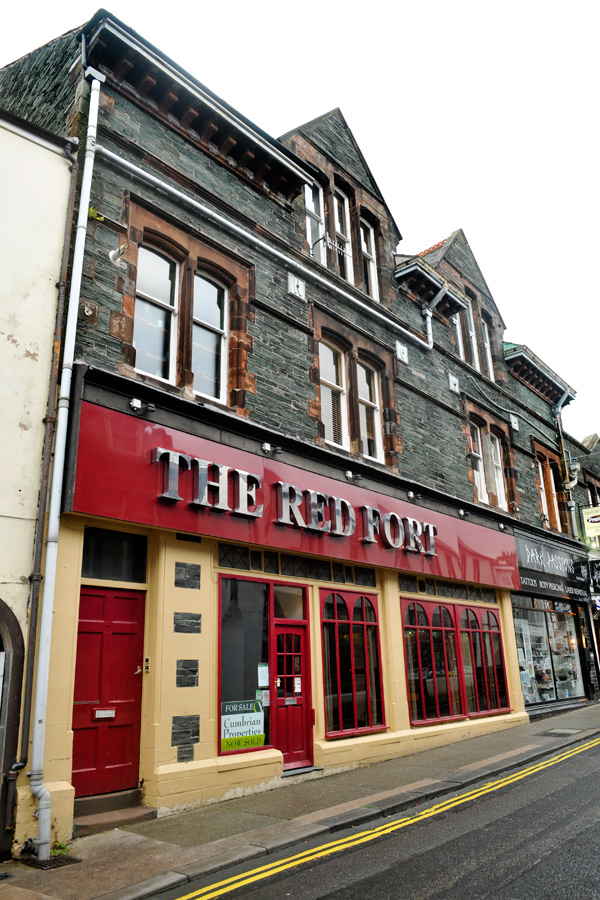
x: 308, y: 490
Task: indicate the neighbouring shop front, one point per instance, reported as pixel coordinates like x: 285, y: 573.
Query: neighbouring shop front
x: 555, y: 642
x: 224, y: 617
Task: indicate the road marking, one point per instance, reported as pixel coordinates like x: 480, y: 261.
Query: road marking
x: 237, y: 881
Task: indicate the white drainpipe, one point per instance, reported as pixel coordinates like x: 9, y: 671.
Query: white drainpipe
x: 36, y: 775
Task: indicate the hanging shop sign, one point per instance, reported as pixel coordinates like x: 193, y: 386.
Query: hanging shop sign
x: 550, y: 569
x: 137, y: 471
x: 591, y: 521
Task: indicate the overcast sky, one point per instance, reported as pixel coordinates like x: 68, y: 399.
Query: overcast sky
x: 474, y: 115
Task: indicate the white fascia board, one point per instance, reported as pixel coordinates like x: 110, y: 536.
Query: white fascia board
x: 207, y: 100
x: 533, y: 361
x: 438, y: 280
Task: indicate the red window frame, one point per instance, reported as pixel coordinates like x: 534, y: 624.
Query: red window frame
x: 438, y: 684
x: 481, y: 628
x: 364, y: 660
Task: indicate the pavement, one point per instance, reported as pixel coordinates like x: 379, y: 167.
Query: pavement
x: 139, y: 861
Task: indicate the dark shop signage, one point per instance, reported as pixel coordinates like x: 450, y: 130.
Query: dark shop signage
x: 547, y: 568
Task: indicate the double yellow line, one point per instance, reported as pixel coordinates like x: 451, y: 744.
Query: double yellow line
x: 273, y: 868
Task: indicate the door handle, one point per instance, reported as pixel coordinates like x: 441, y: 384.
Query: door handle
x: 138, y: 671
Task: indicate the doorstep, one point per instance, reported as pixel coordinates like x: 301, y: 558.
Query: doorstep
x: 103, y: 812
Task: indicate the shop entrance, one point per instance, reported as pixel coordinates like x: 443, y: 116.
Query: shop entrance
x: 265, y: 692
x: 108, y: 691
x: 290, y: 698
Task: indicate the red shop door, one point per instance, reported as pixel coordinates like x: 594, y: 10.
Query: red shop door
x: 291, y: 697
x: 108, y: 691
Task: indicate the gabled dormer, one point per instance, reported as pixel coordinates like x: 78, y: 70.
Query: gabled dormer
x: 349, y: 228
x: 477, y: 327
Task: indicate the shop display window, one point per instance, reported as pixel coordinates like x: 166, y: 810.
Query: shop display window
x: 454, y: 661
x: 244, y: 658
x: 352, y: 671
x: 548, y: 653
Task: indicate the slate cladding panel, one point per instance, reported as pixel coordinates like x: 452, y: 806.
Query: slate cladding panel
x: 187, y: 575
x: 185, y: 730
x: 187, y: 623
x: 187, y: 673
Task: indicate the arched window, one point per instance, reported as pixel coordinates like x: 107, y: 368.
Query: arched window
x: 431, y: 662
x: 352, y: 672
x: 485, y: 681
x: 454, y: 661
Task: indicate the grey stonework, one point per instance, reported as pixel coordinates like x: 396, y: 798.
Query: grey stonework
x: 185, y: 730
x: 187, y: 575
x: 187, y: 673
x: 187, y: 623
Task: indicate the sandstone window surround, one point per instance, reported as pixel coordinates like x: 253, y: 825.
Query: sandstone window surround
x: 547, y: 471
x: 350, y: 393
x: 190, y: 312
x: 488, y: 452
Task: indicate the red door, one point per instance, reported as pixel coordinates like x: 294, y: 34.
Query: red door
x: 108, y: 691
x: 293, y: 712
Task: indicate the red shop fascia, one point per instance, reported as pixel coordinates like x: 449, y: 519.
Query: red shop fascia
x: 130, y: 469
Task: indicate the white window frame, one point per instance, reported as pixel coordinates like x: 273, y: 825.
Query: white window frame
x: 476, y: 443
x: 459, y: 338
x: 473, y: 337
x: 223, y: 332
x: 343, y: 234
x: 339, y: 389
x: 487, y: 349
x: 497, y: 460
x: 370, y: 257
x: 468, y: 312
x: 318, y: 248
x: 375, y: 406
x: 173, y: 311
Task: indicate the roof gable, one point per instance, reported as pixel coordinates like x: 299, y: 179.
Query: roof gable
x: 331, y: 134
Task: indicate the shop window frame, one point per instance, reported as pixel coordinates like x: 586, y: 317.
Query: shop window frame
x: 350, y: 599
x: 455, y: 610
